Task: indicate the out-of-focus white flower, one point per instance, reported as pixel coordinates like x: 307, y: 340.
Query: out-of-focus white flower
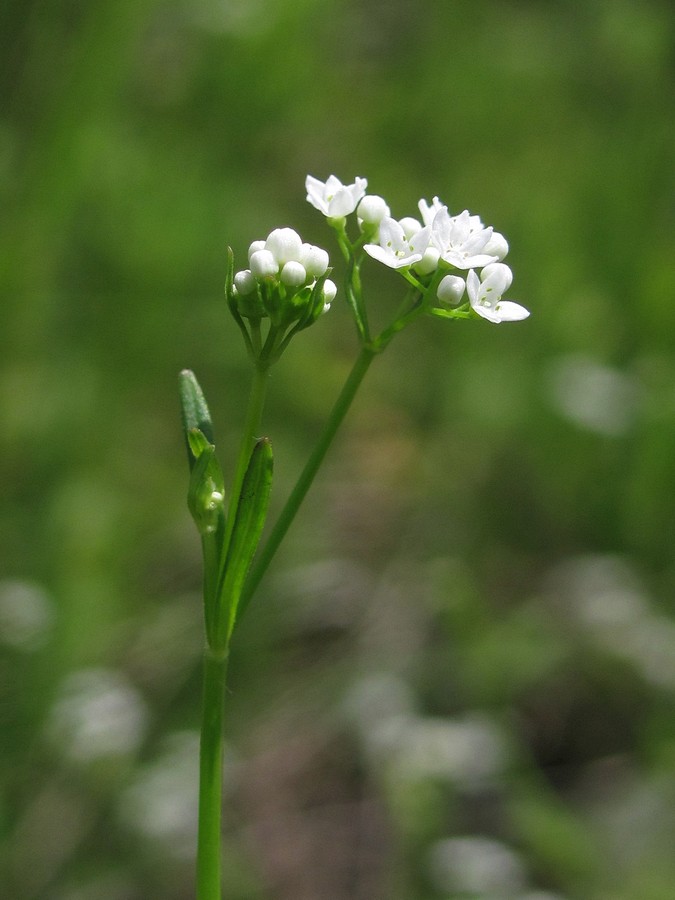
x: 451, y: 290
x: 395, y: 249
x: 462, y: 240
x: 485, y: 294
x: 333, y: 198
x: 372, y: 209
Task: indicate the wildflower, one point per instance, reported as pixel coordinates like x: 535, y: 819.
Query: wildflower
x: 395, y: 248
x: 334, y: 199
x: 462, y: 240
x: 485, y: 294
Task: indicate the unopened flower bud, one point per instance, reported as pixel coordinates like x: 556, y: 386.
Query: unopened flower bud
x: 314, y: 259
x: 263, y: 263
x: 497, y: 245
x: 245, y: 282
x: 284, y: 244
x: 256, y: 245
x: 329, y: 291
x: 372, y: 209
x: 293, y: 274
x: 429, y: 261
x: 410, y: 226
x: 451, y: 290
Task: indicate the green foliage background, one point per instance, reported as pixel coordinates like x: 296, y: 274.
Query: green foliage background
x: 458, y: 679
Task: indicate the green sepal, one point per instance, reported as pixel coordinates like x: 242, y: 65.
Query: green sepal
x: 194, y: 411
x: 248, y: 525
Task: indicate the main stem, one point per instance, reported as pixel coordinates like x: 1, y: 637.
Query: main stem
x: 211, y: 776
x: 215, y: 673
x: 306, y: 478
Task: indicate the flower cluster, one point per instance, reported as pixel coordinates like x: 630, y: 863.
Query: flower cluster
x: 286, y: 281
x: 429, y: 251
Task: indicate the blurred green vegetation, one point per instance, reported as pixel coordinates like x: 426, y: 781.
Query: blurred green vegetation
x: 458, y: 679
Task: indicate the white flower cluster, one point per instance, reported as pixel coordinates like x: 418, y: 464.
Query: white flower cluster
x: 435, y: 243
x: 284, y: 261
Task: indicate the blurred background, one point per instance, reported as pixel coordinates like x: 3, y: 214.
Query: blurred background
x: 458, y: 679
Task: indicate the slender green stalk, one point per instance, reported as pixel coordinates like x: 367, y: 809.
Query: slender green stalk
x: 306, y: 478
x: 210, y: 777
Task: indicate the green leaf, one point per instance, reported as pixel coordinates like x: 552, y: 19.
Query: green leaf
x: 248, y: 525
x: 195, y: 413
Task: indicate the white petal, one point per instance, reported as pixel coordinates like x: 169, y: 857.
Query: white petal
x: 508, y: 311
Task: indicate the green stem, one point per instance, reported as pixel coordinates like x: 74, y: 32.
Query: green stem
x: 306, y: 478
x: 210, y: 777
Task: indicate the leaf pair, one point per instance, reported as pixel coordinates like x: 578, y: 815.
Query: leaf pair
x: 226, y: 559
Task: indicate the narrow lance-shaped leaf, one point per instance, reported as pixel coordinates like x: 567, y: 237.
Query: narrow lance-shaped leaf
x: 194, y: 411
x: 247, y: 528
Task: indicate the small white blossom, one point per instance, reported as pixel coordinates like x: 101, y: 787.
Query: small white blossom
x: 333, y: 198
x: 394, y: 248
x: 485, y: 294
x: 293, y: 274
x: 284, y: 244
x: 263, y: 263
x: 372, y: 209
x: 450, y: 290
x: 245, y: 282
x: 462, y: 239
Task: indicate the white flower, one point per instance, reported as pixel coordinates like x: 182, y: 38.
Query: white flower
x: 462, y: 240
x: 333, y: 198
x: 395, y: 249
x: 450, y: 290
x: 372, y: 209
x: 485, y: 294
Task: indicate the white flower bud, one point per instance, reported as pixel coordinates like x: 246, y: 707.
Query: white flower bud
x: 329, y: 291
x: 256, y: 245
x: 284, y: 244
x: 372, y: 209
x: 245, y: 282
x: 451, y: 290
x: 497, y: 245
x: 293, y: 274
x: 429, y: 262
x: 497, y: 277
x: 263, y: 263
x: 314, y: 259
x: 410, y: 226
